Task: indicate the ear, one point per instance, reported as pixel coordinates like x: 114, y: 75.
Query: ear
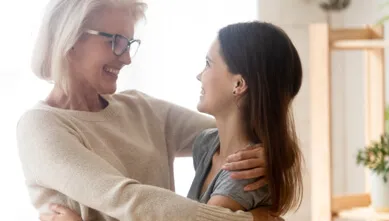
x: 240, y: 85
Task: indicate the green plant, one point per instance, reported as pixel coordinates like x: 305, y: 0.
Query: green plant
x: 376, y: 157
x: 387, y: 119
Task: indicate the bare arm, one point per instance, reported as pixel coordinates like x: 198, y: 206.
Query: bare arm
x: 225, y: 202
x: 260, y: 214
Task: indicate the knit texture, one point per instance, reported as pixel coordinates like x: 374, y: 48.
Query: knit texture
x: 116, y: 164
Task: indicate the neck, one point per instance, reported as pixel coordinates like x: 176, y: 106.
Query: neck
x: 232, y: 134
x: 78, y: 98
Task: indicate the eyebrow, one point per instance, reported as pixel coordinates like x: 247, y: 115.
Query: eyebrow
x: 209, y: 59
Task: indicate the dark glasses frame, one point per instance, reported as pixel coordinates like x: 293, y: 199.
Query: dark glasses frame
x: 114, y: 36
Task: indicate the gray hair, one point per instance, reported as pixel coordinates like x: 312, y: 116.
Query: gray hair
x: 61, y: 27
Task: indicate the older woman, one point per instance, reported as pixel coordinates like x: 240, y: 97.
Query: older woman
x: 107, y: 155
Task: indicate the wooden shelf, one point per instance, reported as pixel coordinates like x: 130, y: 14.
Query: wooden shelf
x: 359, y: 44
x: 323, y: 40
x: 346, y: 202
x: 367, y: 214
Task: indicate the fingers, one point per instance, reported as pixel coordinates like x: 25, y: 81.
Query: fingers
x: 253, y: 147
x: 58, y: 208
x: 243, y: 165
x: 248, y: 153
x: 248, y: 174
x: 256, y: 185
x: 60, y: 213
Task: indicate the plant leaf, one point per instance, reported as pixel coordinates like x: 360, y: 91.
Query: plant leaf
x: 383, y: 19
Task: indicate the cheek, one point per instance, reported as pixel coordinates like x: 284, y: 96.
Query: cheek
x: 217, y: 89
x: 209, y: 79
x: 93, y: 62
x: 95, y: 53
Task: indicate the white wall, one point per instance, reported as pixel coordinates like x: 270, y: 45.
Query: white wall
x: 347, y: 74
x: 19, y: 90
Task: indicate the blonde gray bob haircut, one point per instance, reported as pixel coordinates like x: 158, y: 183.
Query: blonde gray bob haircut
x: 62, y: 25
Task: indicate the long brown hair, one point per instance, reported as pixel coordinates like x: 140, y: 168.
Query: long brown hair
x: 269, y: 63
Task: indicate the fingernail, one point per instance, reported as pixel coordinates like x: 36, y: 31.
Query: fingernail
x: 225, y: 166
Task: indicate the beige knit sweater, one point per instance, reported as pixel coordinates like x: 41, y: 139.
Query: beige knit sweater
x: 116, y: 164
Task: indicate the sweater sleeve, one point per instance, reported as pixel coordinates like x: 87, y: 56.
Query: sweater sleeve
x: 181, y: 125
x: 54, y: 157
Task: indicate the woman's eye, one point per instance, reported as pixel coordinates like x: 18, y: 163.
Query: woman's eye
x: 207, y: 63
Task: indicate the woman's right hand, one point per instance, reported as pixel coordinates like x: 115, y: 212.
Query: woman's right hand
x: 61, y: 213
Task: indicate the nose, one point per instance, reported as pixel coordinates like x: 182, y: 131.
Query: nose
x: 199, y: 76
x: 125, y: 58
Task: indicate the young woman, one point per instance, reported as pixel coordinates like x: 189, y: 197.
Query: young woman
x: 252, y: 74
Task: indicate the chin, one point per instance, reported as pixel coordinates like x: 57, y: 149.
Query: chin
x: 199, y: 108
x: 202, y: 108
x: 109, y: 90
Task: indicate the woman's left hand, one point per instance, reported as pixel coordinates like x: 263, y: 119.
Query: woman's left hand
x: 248, y: 163
x: 61, y: 213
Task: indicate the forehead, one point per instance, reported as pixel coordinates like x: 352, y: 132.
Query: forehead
x: 214, y: 50
x: 114, y: 21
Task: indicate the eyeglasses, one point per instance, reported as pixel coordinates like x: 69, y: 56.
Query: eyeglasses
x: 120, y: 44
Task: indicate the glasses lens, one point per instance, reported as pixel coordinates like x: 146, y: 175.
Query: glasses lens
x: 120, y: 45
x: 134, y: 48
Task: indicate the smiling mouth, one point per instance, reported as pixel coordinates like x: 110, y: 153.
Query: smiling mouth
x: 110, y: 70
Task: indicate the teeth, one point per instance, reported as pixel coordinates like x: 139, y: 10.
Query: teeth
x: 111, y: 70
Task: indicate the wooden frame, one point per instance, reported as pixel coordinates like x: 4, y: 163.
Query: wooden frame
x: 323, y: 40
